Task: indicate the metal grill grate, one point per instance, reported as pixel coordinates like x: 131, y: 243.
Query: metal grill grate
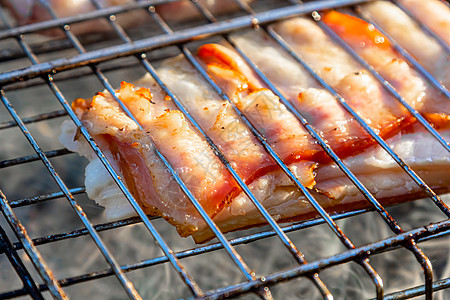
x: 88, y: 62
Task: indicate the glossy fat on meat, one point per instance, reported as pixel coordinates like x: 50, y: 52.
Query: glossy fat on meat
x: 274, y: 189
x: 238, y: 144
x: 264, y: 110
x: 281, y: 128
x: 383, y: 177
x: 337, y: 68
x: 321, y: 109
x: 123, y: 141
x: 340, y: 70
x: 433, y: 13
x: 223, y: 125
x: 417, y: 149
x: 379, y: 173
x: 228, y: 131
x: 374, y: 47
x: 317, y: 105
x: 408, y: 34
x: 147, y: 179
x: 262, y: 107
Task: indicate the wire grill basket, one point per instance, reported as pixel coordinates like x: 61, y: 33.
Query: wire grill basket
x: 33, y: 66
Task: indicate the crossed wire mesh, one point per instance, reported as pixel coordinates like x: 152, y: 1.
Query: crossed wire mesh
x: 137, y: 48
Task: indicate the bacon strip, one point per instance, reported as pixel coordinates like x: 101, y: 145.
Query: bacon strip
x: 361, y: 91
x: 135, y: 160
x: 281, y: 129
x: 411, y: 37
x: 344, y: 135
x: 433, y: 13
x: 215, y: 115
x: 372, y: 45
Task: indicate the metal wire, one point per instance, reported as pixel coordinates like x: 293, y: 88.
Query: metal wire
x: 30, y: 158
x: 166, y: 249
x: 41, y: 198
x: 127, y: 285
x: 358, y: 254
x: 30, y: 249
x: 234, y: 255
x: 444, y: 208
x: 19, y: 267
x: 286, y: 241
x: 430, y: 78
x: 95, y: 14
x: 34, y: 119
x: 132, y: 293
x: 422, y: 258
x: 417, y: 291
x: 425, y: 28
x: 424, y: 261
x: 384, y: 245
x: 338, y: 232
x: 139, y: 46
x: 391, y: 89
x: 334, y: 260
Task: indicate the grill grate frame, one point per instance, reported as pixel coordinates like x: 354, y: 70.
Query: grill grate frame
x: 406, y: 239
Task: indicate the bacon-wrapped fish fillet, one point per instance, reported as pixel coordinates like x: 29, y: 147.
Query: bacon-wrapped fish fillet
x: 135, y: 161
x: 223, y: 200
x: 373, y: 166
